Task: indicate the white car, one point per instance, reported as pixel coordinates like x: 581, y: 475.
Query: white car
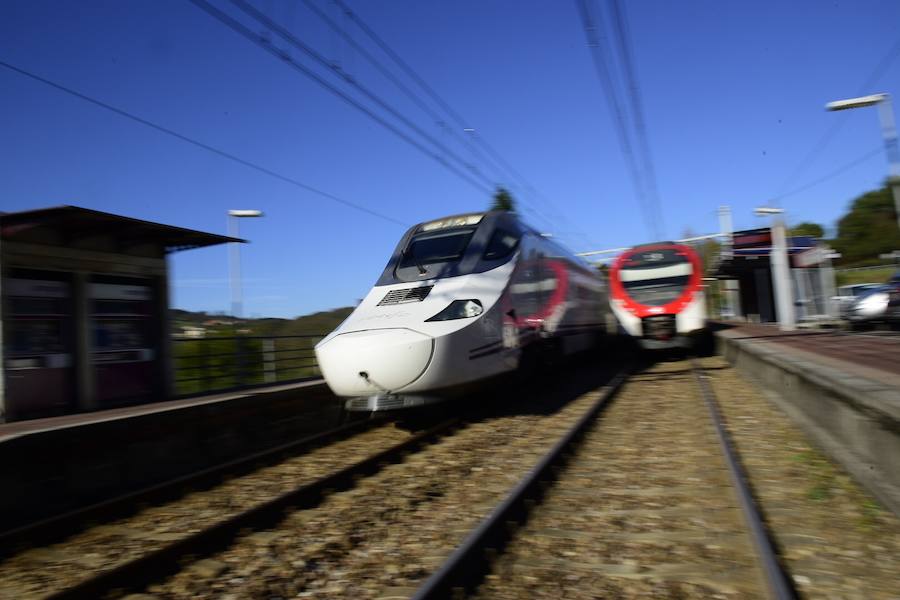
x: 871, y: 306
x: 848, y: 294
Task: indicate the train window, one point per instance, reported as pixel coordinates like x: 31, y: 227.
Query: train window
x: 656, y: 287
x: 36, y: 306
x: 502, y: 243
x: 657, y: 292
x: 654, y: 259
x: 117, y: 335
x: 35, y: 336
x: 443, y: 247
x: 656, y: 276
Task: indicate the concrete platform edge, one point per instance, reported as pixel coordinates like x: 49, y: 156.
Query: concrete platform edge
x: 50, y: 471
x: 855, y: 426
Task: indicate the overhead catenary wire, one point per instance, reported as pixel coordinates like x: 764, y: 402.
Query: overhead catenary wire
x: 202, y: 145
x: 261, y: 41
x: 839, y: 120
x: 820, y: 180
x: 598, y: 53
x: 402, y: 64
x: 292, y: 39
x: 267, y: 22
x: 441, y: 121
x: 390, y: 76
x: 453, y: 115
x: 832, y: 174
x: 633, y: 92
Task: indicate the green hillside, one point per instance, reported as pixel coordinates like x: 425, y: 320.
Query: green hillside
x: 319, y: 323
x: 217, y: 352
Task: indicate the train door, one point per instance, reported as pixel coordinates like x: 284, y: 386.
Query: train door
x: 123, y: 354
x: 554, y: 281
x: 39, y: 365
x: 525, y: 294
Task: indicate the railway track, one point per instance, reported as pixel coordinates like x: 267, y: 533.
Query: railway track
x: 140, y: 534
x: 576, y: 496
x: 649, y: 500
x: 389, y: 530
x: 51, y: 529
x: 174, y: 536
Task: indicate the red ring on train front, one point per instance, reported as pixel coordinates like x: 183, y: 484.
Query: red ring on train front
x: 676, y: 306
x: 556, y: 298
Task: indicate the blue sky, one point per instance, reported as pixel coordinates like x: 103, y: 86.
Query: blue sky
x: 733, y: 97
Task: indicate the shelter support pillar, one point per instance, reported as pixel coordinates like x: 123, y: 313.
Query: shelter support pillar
x: 826, y: 272
x: 733, y: 297
x: 781, y: 277
x: 3, y: 415
x: 85, y: 387
x: 163, y: 335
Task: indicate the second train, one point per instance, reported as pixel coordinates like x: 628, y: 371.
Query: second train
x: 657, y: 295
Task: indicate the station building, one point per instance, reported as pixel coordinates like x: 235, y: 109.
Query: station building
x: 84, y: 310
x: 745, y: 275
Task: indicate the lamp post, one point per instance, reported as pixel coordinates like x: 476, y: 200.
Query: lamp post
x: 888, y: 130
x: 781, y: 275
x: 234, y: 256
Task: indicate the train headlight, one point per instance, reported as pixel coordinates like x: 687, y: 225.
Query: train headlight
x: 459, y: 309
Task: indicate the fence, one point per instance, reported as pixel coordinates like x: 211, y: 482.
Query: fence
x: 223, y: 363
x: 869, y: 268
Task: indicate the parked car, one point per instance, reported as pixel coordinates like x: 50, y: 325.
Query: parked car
x: 893, y: 307
x: 848, y: 294
x: 877, y: 305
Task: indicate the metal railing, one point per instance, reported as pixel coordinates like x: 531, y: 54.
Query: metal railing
x: 869, y: 268
x: 224, y: 363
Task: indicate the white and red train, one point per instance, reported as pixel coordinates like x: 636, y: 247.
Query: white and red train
x: 462, y: 300
x: 657, y: 295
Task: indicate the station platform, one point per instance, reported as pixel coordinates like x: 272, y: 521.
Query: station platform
x: 19, y: 428
x: 842, y: 388
x: 874, y: 355
x: 51, y: 465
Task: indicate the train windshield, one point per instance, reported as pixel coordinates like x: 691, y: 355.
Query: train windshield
x: 438, y: 247
x: 656, y: 277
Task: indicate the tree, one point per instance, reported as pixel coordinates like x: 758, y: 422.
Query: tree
x: 806, y: 228
x: 503, y: 200
x: 709, y: 251
x: 868, y: 229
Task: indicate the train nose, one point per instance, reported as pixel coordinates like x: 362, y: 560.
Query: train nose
x: 375, y: 361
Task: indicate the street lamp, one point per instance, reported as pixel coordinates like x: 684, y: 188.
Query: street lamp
x: 888, y: 130
x: 234, y: 256
x: 781, y: 275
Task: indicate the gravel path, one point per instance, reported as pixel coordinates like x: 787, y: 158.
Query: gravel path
x: 838, y: 542
x: 39, y: 572
x: 644, y: 509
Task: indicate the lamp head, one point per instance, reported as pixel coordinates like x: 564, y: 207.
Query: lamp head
x: 763, y: 211
x: 856, y: 102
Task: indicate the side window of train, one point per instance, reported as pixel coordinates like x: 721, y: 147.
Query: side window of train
x: 501, y: 245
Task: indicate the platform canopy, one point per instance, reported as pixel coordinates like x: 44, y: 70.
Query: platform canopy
x: 70, y: 225
x: 750, y: 249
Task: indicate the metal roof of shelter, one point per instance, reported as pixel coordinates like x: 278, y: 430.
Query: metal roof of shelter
x: 74, y: 223
x: 751, y: 249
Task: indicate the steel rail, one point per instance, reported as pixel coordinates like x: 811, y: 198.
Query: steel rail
x: 50, y: 529
x: 778, y: 583
x: 154, y: 566
x: 467, y: 565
